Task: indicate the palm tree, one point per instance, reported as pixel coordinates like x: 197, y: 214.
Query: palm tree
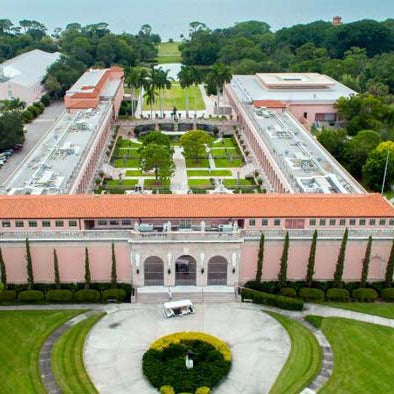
x: 15, y: 104
x: 220, y: 75
x: 186, y: 80
x: 136, y: 78
x: 197, y: 79
x: 163, y: 82
x: 150, y: 95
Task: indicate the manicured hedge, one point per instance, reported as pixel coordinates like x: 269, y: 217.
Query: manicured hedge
x: 259, y: 297
x: 388, y: 294
x: 310, y: 294
x: 365, y: 295
x: 203, y: 390
x: 8, y: 296
x: 342, y: 295
x: 59, y: 296
x: 31, y: 296
x: 166, y: 390
x: 87, y: 295
x: 288, y: 292
x: 116, y: 294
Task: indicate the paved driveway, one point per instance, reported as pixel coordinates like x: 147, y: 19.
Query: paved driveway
x: 115, y: 346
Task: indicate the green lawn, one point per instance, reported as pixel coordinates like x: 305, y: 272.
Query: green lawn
x: 125, y: 143
x: 128, y: 163
x: 225, y: 142
x: 224, y: 152
x: 126, y: 152
x: 67, y: 358
x: 202, y: 163
x: 378, y: 309
x: 138, y: 173
x: 225, y: 163
x: 199, y: 182
x: 209, y: 173
x: 22, y: 334
x: 236, y: 182
x: 363, y: 357
x: 176, y: 97
x: 123, y: 182
x: 303, y: 362
x: 169, y: 53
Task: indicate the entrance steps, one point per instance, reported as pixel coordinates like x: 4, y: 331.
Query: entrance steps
x: 223, y: 295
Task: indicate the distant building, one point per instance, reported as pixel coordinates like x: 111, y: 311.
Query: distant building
x: 94, y: 87
x: 21, y: 77
x: 337, y: 20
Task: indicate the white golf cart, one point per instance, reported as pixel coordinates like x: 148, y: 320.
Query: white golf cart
x: 178, y: 308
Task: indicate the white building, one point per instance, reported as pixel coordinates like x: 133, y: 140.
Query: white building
x: 21, y: 77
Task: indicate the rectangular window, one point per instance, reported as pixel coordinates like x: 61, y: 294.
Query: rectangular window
x: 342, y: 222
x: 382, y: 222
x: 19, y: 223
x: 126, y: 222
x: 312, y: 222
x: 72, y: 223
x: 332, y: 222
x: 113, y: 222
x: 264, y: 222
x: 252, y: 222
x: 362, y: 222
x: 102, y: 222
x: 322, y: 222
x: 352, y: 222
x: 6, y: 223
x: 45, y: 223
x: 391, y: 222
x: 372, y: 222
x: 277, y: 222
x: 59, y: 223
x: 32, y: 223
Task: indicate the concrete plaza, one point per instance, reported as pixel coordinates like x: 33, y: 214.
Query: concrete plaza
x: 115, y: 346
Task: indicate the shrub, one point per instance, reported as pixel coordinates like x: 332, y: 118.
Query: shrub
x: 46, y: 100
x: 31, y: 296
x: 166, y: 390
x: 316, y: 321
x: 59, y: 296
x: 311, y: 294
x: 117, y: 294
x: 87, y: 295
x: 279, y: 301
x: 365, y: 295
x: 7, y: 296
x: 203, y: 390
x: 388, y: 294
x: 338, y: 295
x: 288, y: 292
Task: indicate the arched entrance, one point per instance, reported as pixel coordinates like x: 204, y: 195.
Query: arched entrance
x: 154, y: 271
x: 185, y: 271
x: 217, y: 271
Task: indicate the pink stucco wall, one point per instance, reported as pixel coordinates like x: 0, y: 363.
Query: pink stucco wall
x: 298, y: 110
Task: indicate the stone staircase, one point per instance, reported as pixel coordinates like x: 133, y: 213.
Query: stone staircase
x: 198, y: 297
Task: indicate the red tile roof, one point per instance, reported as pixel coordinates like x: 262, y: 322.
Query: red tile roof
x: 269, y: 104
x: 194, y: 206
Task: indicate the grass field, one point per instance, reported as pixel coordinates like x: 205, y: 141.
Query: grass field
x: 126, y: 143
x: 363, y: 357
x: 209, y: 173
x: 124, y: 182
x: 378, y: 309
x: 128, y: 163
x: 169, y: 53
x: 67, y: 359
x: 22, y: 334
x: 236, y: 182
x: 304, y: 360
x: 199, y: 182
x: 202, y: 163
x: 152, y: 183
x: 138, y: 173
x: 225, y: 142
x: 176, y: 97
x: 226, y: 163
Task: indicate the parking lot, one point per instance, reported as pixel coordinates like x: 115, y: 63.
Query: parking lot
x: 34, y: 132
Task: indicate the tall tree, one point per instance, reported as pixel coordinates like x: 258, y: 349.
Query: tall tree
x: 3, y: 271
x: 87, y: 269
x: 136, y: 78
x: 150, y: 96
x: 282, y: 277
x: 56, y: 269
x: 186, y: 79
x: 163, y: 83
x: 220, y: 75
x: 341, y: 261
x: 29, y: 266
x: 311, y: 261
x: 114, y: 278
x: 390, y: 268
x: 366, y: 260
x: 197, y: 79
x: 194, y: 144
x: 260, y: 259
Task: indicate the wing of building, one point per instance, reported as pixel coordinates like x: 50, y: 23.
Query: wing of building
x: 21, y: 77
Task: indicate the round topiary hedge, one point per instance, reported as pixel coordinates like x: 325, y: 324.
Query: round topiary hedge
x: 31, y: 296
x: 341, y: 295
x: 388, y: 294
x: 87, y: 295
x: 164, y: 364
x: 59, y: 295
x: 365, y: 295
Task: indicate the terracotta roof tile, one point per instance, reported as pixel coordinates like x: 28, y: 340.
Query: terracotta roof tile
x: 269, y: 104
x: 190, y: 206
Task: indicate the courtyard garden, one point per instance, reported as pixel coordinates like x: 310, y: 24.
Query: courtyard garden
x: 176, y: 162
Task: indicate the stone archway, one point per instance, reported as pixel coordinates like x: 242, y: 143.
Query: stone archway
x: 185, y: 271
x: 153, y: 271
x: 217, y: 271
